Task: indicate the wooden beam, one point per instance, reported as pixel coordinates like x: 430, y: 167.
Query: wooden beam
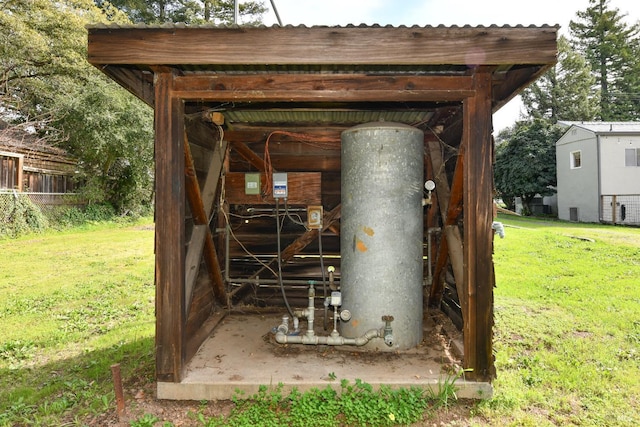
x: 329, y: 87
x: 462, y: 46
x: 314, y: 82
x: 478, y: 236
x: 169, y: 229
x: 201, y: 234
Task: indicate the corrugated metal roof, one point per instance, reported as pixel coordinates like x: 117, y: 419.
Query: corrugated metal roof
x: 170, y: 25
x: 325, y: 116
x: 606, y: 127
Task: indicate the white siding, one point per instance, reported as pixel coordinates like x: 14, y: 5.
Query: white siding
x: 578, y: 187
x: 618, y: 179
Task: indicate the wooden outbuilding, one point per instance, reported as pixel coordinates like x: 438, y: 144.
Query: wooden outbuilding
x: 234, y: 104
x: 28, y: 163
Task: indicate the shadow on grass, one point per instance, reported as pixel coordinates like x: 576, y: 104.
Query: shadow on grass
x: 72, y: 388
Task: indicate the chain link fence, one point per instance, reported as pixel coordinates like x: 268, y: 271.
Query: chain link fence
x: 49, y: 204
x: 618, y: 209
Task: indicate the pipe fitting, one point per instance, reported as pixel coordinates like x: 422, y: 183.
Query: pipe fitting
x: 284, y: 326
x: 333, y: 339
x: 388, y: 331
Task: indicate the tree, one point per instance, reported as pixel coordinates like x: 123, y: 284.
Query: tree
x: 188, y: 11
x: 526, y: 161
x: 49, y: 87
x: 111, y: 132
x: 565, y: 92
x: 611, y: 47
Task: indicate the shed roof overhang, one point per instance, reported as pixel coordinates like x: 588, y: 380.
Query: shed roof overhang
x: 310, y: 76
x: 299, y: 88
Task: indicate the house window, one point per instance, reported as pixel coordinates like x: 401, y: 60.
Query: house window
x: 632, y: 156
x: 576, y: 159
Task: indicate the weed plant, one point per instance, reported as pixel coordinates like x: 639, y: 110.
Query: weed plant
x: 357, y: 404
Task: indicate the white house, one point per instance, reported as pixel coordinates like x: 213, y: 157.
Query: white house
x: 598, y: 167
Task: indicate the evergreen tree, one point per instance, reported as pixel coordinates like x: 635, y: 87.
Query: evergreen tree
x: 565, y: 92
x: 188, y: 11
x: 611, y: 47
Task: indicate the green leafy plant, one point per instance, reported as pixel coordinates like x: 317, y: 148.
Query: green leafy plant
x: 147, y: 420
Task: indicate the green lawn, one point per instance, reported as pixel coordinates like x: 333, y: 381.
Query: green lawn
x: 73, y: 303
x: 567, y: 335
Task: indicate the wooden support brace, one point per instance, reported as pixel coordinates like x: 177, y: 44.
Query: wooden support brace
x: 249, y: 155
x: 449, y: 200
x: 200, y: 232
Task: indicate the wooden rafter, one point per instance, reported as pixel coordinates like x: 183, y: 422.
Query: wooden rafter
x: 249, y: 155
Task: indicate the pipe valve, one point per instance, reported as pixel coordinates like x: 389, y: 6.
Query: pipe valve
x: 388, y: 331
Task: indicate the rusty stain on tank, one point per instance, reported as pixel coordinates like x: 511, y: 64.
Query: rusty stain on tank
x: 361, y: 246
x: 368, y: 231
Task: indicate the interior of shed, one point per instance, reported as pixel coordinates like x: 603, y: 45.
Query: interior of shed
x: 323, y: 198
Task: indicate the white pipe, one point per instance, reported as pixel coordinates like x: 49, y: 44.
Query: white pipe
x: 333, y: 339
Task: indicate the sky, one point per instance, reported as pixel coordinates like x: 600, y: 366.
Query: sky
x: 442, y: 12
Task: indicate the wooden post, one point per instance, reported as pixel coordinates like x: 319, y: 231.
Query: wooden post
x: 20, y: 174
x: 169, y: 239
x: 118, y: 391
x: 478, y: 235
x: 614, y: 210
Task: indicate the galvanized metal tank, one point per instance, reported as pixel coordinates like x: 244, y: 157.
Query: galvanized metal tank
x: 381, y: 231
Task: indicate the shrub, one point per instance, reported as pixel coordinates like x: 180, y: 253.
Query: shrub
x: 20, y: 216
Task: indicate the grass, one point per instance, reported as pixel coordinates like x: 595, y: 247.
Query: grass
x: 73, y: 303
x: 567, y: 335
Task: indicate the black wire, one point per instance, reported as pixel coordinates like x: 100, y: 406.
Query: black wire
x: 284, y: 295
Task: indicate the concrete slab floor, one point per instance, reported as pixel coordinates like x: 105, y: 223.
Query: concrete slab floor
x: 241, y: 354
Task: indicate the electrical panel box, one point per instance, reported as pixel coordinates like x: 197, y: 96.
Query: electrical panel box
x: 251, y: 183
x: 280, y: 186
x: 314, y: 217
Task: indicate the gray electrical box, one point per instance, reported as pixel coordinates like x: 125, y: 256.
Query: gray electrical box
x: 280, y: 186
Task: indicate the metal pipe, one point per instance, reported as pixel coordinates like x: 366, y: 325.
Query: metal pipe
x: 333, y: 339
x: 309, y: 312
x: 259, y: 281
x: 273, y: 6
x: 227, y: 258
x: 236, y: 11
